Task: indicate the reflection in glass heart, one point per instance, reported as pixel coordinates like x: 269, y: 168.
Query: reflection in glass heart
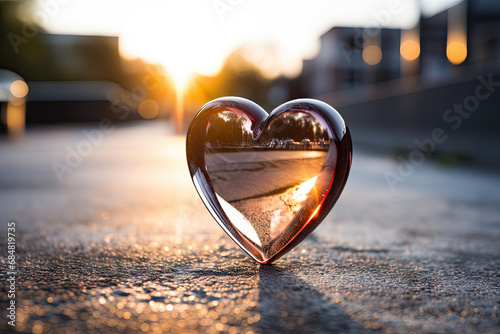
x: 268, y: 180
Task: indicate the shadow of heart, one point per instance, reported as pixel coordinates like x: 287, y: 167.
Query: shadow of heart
x: 288, y: 304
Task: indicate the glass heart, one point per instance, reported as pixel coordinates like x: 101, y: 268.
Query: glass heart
x: 268, y: 180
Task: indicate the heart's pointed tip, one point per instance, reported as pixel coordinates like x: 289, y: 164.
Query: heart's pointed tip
x: 268, y: 261
x: 261, y: 260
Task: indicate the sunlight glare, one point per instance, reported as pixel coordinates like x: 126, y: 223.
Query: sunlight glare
x: 180, y: 76
x: 177, y: 33
x: 304, y: 188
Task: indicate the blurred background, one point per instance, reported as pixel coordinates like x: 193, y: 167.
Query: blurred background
x: 392, y: 68
x: 95, y: 100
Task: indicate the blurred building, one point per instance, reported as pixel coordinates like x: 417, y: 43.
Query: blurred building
x: 27, y: 49
x: 467, y: 34
x: 70, y: 77
x: 464, y: 34
x: 73, y: 78
x: 79, y: 81
x: 483, y: 22
x: 76, y: 57
x: 350, y: 57
x: 398, y: 87
x: 437, y: 48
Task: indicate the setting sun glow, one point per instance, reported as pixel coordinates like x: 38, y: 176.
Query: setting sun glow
x: 197, y: 37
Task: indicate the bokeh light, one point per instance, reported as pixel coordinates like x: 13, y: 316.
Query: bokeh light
x: 19, y: 89
x: 410, y: 50
x: 456, y: 51
x: 203, y: 34
x: 372, y: 54
x: 148, y: 109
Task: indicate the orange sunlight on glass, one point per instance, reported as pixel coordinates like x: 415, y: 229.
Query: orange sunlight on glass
x: 304, y: 188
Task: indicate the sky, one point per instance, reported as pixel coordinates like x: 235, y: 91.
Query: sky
x: 197, y: 35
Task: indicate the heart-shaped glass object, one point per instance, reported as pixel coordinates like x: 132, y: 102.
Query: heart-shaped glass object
x: 268, y: 180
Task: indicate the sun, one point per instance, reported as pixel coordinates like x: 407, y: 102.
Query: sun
x: 180, y: 70
x: 179, y: 66
x: 180, y: 73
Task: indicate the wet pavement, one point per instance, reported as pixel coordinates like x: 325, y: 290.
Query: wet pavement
x: 124, y: 244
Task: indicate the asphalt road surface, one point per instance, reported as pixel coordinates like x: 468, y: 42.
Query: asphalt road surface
x: 240, y: 175
x: 123, y: 244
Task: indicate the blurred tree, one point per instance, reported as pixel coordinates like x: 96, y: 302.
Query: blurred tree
x: 20, y: 51
x: 236, y: 78
x: 27, y: 49
x: 227, y: 128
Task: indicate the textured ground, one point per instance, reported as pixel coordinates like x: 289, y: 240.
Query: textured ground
x: 123, y: 244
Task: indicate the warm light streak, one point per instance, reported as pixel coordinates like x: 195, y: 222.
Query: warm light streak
x: 15, y: 118
x: 179, y: 110
x: 314, y: 213
x: 304, y: 189
x: 180, y: 74
x: 240, y: 221
x: 456, y: 45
